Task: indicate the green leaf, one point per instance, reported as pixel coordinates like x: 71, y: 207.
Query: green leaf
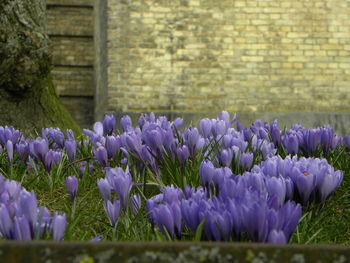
x: 199, y: 231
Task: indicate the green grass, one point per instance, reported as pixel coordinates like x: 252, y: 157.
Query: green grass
x: 324, y: 223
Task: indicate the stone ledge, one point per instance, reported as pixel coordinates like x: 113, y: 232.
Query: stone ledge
x: 105, y: 252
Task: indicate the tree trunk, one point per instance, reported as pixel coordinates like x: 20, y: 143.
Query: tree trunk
x: 28, y: 99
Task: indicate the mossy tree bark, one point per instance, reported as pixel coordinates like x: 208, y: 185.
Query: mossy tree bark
x: 28, y: 99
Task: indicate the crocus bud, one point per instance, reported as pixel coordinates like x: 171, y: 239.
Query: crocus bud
x: 71, y: 148
x: 109, y: 124
x: 135, y: 203
x: 113, y: 209
x: 182, y: 154
x: 101, y: 155
x: 51, y: 159
x: 70, y: 135
x: 104, y: 188
x: 205, y: 127
x: 206, y: 173
x: 72, y: 185
x: 38, y: 149
x: 59, y: 223
x: 177, y: 123
x: 291, y: 143
x: 96, y: 239
x: 126, y: 123
x: 225, y: 157
x: 5, y: 222
x: 277, y: 237
x: 28, y: 207
x: 9, y: 148
x: 21, y: 229
x: 164, y: 218
x: 121, y: 183
x: 22, y: 149
x: 98, y: 128
x: 111, y: 146
x: 246, y: 160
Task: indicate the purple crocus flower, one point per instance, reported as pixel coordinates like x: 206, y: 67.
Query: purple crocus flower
x: 217, y: 225
x: 275, y: 132
x: 9, y: 148
x: 104, y: 188
x: 171, y: 194
x: 109, y: 123
x: 206, y: 173
x: 305, y: 184
x: 311, y: 139
x: 225, y: 157
x: 289, y: 216
x: 135, y: 203
x: 164, y: 219
x: 126, y: 123
x: 177, y: 123
x: 72, y: 185
x: 247, y: 160
x: 291, y: 142
x: 21, y: 228
x: 154, y: 138
x: 38, y: 149
x: 276, y: 186
x: 70, y: 134
x: 193, y: 140
x: 96, y: 239
x: 182, y: 154
x: 190, y: 214
x: 101, y: 155
x: 71, y: 148
x: 113, y: 210
x: 121, y: 183
x: 205, y: 126
x: 5, y: 222
x: 328, y: 184
x: 59, y: 223
x: 267, y: 148
x: 28, y: 208
x: 51, y: 159
x: 218, y: 128
x: 112, y: 145
x: 277, y: 237
x: 9, y: 133
x: 98, y: 128
x: 22, y: 149
x: 82, y: 168
x: 257, y: 229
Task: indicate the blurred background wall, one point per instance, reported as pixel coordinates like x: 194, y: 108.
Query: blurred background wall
x: 201, y: 56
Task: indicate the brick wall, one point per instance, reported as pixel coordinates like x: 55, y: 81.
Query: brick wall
x: 70, y: 27
x: 209, y: 55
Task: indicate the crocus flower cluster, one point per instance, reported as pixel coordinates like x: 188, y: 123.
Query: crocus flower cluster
x: 120, y: 182
x: 234, y: 212
x: 259, y: 203
x: 305, y: 179
x: 46, y: 150
x: 22, y: 219
x: 215, y: 168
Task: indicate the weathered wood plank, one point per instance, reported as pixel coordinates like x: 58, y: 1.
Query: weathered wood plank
x: 81, y: 108
x: 72, y: 51
x: 70, y: 2
x: 72, y: 21
x: 74, y: 81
